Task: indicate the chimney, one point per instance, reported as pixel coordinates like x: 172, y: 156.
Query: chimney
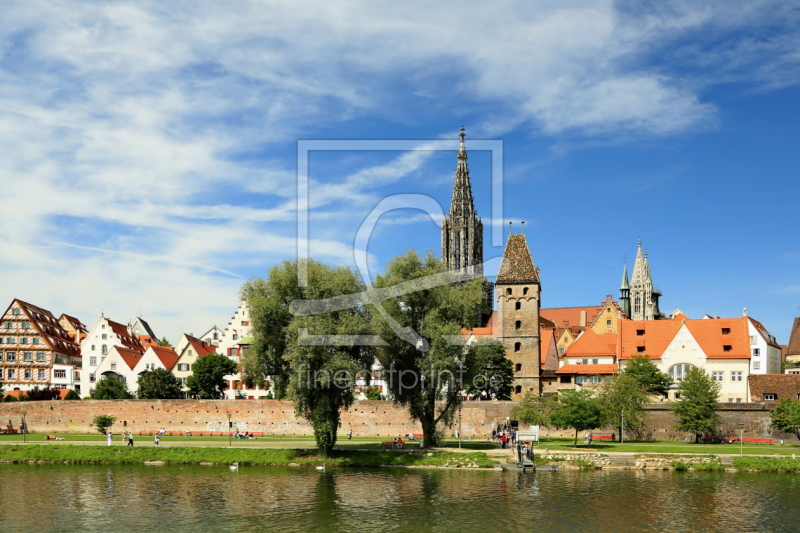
x: 583, y: 318
x: 566, y: 324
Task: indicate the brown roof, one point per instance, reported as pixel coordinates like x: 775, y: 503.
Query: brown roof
x: 588, y: 369
x: 517, y: 265
x: 131, y: 357
x: 783, y: 386
x: 763, y: 332
x: 591, y: 344
x: 167, y: 356
x: 570, y: 315
x: 129, y: 340
x: 794, y: 339
x: 200, y: 348
x: 52, y: 333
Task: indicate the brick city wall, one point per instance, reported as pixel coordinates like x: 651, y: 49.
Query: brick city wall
x: 276, y: 417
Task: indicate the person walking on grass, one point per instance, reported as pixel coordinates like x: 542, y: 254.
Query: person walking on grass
x: 130, y: 438
x: 157, y: 440
x: 109, y: 438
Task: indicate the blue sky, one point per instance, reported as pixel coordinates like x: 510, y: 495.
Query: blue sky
x: 148, y: 150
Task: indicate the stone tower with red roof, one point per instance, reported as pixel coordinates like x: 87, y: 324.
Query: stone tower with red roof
x: 462, y: 229
x: 518, y: 291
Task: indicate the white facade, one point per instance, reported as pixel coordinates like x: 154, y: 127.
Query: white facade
x: 764, y: 351
x: 98, y: 344
x: 237, y: 329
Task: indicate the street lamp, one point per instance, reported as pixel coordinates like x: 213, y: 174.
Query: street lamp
x: 229, y: 429
x: 24, y: 427
x: 622, y: 427
x: 741, y: 439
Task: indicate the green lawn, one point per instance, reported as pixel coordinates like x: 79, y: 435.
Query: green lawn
x: 668, y: 447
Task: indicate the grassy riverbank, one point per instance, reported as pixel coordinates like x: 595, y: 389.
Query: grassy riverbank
x: 71, y: 454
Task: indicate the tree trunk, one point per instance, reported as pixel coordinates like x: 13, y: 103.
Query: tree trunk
x: 576, y: 438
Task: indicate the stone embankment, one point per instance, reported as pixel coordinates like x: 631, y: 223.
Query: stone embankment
x: 629, y: 461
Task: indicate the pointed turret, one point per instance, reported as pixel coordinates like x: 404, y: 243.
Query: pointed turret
x: 517, y: 265
x: 625, y: 292
x: 643, y: 297
x: 462, y: 229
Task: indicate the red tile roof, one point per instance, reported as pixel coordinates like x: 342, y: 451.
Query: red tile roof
x: 657, y: 334
x: 591, y: 344
x: 546, y: 336
x: 129, y: 340
x: 166, y: 354
x: 588, y: 369
x: 200, y: 348
x: 517, y: 265
x: 570, y: 315
x: 793, y: 347
x: 131, y: 357
x: 147, y: 341
x: 708, y: 332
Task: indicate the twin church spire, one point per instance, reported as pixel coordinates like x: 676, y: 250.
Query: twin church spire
x: 462, y: 229
x: 639, y: 298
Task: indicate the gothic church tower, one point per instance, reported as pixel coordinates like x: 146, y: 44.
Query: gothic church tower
x: 643, y: 296
x: 518, y: 292
x: 462, y: 229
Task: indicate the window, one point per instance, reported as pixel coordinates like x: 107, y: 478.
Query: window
x: 608, y: 322
x: 678, y: 372
x: 518, y: 306
x: 91, y: 378
x: 103, y: 326
x: 244, y: 322
x: 35, y: 340
x: 40, y: 373
x: 518, y: 324
x: 518, y: 367
x: 27, y: 357
x: 8, y: 325
x: 677, y: 395
x: 10, y: 340
x: 730, y: 400
x: 190, y: 352
x: 518, y: 389
x: 568, y: 379
x: 752, y: 339
x: 216, y: 336
x: 235, y: 336
x: 736, y: 376
x: 92, y: 347
x: 525, y: 291
x: 726, y: 331
x: 560, y: 351
x: 738, y: 400
x: 60, y: 373
x: 26, y: 325
x: 508, y: 291
x: 726, y: 347
x: 40, y: 357
x: 769, y: 397
x: 105, y: 336
x: 23, y: 340
x: 717, y: 376
x: 28, y: 373
x: 640, y: 349
x: 585, y: 361
x: 234, y: 352
x: 105, y: 349
x: 11, y: 374
x: 595, y: 361
x: 93, y: 361
x: 596, y: 379
x: 11, y: 357
x: 581, y: 380
x: 756, y: 365
x: 183, y: 367
x: 113, y: 366
x: 756, y: 352
x: 517, y: 346
x: 16, y: 311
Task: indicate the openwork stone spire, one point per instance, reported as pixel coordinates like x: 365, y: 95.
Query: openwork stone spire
x: 462, y: 229
x: 643, y: 296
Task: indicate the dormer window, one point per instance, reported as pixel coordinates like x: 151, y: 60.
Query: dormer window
x: 640, y: 349
x: 726, y: 348
x: 726, y: 331
x: 640, y: 332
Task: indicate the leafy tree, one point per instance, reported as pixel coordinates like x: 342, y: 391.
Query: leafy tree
x: 208, y: 376
x: 786, y: 417
x: 534, y: 410
x: 697, y: 408
x: 373, y: 393
x: 159, y: 384
x: 577, y: 410
x: 428, y: 368
x: 496, y: 376
x: 164, y: 342
x: 647, y: 373
x: 72, y: 395
x: 323, y: 373
x: 269, y: 300
x: 103, y: 422
x: 10, y: 398
x: 110, y: 389
x: 251, y: 367
x: 37, y: 395
x: 623, y: 393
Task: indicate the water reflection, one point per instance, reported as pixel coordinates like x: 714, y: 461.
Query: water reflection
x: 139, y: 498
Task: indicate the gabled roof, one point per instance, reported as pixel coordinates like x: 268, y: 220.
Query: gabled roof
x: 200, y: 348
x: 655, y: 338
x: 128, y: 339
x: 52, y: 334
x: 77, y: 324
x: 793, y: 347
x: 570, y: 315
x: 708, y: 332
x: 145, y: 326
x: 591, y: 344
x: 147, y: 341
x: 784, y: 386
x: 763, y: 332
x: 517, y: 265
x: 588, y: 369
x: 546, y: 337
x: 130, y: 357
x: 166, y: 355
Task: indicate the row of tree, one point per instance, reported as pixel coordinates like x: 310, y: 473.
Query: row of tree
x: 620, y: 401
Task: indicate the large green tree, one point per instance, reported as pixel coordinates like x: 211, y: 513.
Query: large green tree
x: 102, y: 422
x: 208, y: 376
x: 269, y: 300
x: 578, y: 410
x: 625, y: 397
x: 647, y: 373
x: 422, y: 367
x: 496, y: 377
x: 534, y: 410
x: 323, y: 358
x: 46, y: 394
x: 697, y: 407
x: 110, y: 389
x: 786, y: 417
x: 159, y: 384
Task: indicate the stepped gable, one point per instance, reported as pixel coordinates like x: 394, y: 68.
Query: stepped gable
x: 517, y: 265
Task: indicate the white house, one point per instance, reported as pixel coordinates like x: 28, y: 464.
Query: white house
x: 126, y: 365
x: 96, y: 347
x: 765, y: 351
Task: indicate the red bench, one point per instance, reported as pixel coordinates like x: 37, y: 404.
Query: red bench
x: 7, y: 430
x: 601, y: 437
x: 757, y: 441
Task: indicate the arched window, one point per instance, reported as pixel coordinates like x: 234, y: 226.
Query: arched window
x: 525, y: 291
x: 508, y: 291
x: 518, y: 324
x: 517, y: 346
x: 518, y: 306
x: 678, y: 372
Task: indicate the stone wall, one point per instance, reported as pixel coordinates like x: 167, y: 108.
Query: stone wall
x: 369, y: 418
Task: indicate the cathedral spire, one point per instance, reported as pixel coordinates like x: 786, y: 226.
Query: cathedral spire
x: 625, y: 292
x: 462, y: 229
x: 643, y: 295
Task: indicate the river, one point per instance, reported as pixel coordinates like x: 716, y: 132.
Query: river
x: 117, y: 499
